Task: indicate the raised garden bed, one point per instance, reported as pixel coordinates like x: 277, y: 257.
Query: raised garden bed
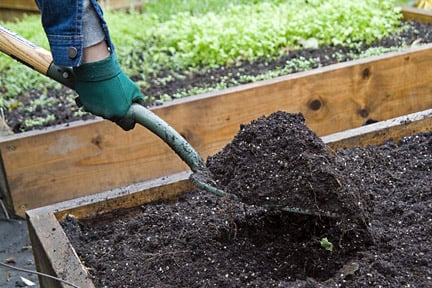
x: 83, y: 158
x: 218, y: 242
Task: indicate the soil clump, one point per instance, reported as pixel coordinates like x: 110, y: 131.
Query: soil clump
x: 279, y: 163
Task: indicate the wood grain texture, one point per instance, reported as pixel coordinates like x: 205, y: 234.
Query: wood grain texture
x: 28, y: 53
x: 420, y: 15
x: 27, y: 5
x: 54, y: 254
x: 378, y: 133
x: 11, y: 10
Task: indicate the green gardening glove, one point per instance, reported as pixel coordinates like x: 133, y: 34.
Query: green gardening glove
x: 105, y: 90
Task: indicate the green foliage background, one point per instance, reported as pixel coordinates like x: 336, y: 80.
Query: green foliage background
x: 187, y: 35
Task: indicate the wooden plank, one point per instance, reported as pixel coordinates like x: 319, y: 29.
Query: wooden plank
x: 416, y: 14
x: 85, y: 158
x: 26, y: 5
x: 13, y: 15
x: 70, y: 159
x: 4, y: 190
x: 11, y: 10
x: 378, y: 133
x: 55, y: 255
x: 129, y: 196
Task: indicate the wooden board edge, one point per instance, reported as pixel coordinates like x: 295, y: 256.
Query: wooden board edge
x: 125, y: 197
x: 79, y: 124
x: 416, y: 14
x: 378, y: 133
x: 54, y: 254
x: 4, y: 189
x: 28, y: 5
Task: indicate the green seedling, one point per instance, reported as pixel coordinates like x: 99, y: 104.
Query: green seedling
x: 326, y: 244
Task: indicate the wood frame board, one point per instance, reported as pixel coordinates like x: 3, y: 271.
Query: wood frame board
x: 55, y: 255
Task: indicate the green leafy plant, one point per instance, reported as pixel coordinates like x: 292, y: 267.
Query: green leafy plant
x: 326, y: 244
x: 16, y: 78
x: 219, y: 39
x: 164, y: 9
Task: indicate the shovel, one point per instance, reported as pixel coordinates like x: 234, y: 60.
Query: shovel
x: 40, y: 60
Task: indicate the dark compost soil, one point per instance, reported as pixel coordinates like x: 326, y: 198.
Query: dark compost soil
x: 63, y: 107
x: 381, y: 236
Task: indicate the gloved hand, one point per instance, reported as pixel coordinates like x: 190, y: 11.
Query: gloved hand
x: 105, y: 90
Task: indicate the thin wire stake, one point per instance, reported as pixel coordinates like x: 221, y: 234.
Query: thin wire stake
x: 4, y: 209
x: 39, y: 273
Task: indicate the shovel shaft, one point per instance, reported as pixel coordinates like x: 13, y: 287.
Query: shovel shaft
x: 33, y: 56
x: 169, y: 135
x: 202, y: 177
x: 24, y: 51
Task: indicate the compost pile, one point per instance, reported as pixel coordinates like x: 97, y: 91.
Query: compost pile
x: 381, y: 197
x: 277, y: 161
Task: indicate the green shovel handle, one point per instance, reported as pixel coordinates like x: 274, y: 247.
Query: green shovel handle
x: 202, y: 177
x: 158, y: 126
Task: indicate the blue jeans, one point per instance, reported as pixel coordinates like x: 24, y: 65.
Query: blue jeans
x: 62, y: 21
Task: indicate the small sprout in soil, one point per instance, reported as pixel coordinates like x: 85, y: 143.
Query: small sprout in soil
x: 39, y: 121
x: 326, y: 244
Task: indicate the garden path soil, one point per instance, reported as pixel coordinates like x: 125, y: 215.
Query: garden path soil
x: 15, y: 250
x: 200, y: 240
x: 62, y: 105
